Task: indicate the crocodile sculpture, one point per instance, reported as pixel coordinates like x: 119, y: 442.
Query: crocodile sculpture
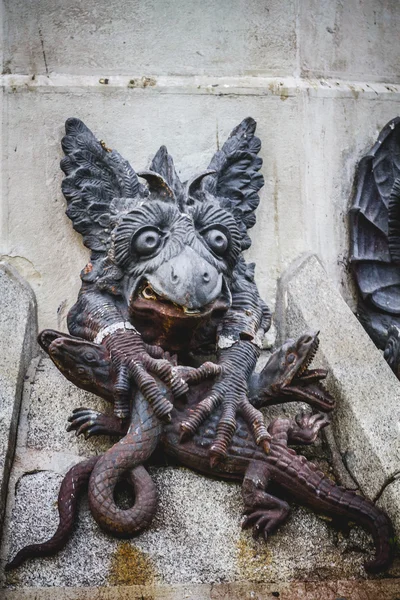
x: 165, y: 286
x: 245, y: 460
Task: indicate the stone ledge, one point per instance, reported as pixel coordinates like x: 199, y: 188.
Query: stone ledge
x: 195, y: 537
x: 18, y: 332
x: 332, y: 590
x: 366, y: 421
x: 282, y: 87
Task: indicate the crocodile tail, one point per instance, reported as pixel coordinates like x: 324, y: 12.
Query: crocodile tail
x: 337, y: 500
x: 72, y: 483
x: 364, y: 512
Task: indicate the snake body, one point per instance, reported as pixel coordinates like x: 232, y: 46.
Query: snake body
x: 103, y: 472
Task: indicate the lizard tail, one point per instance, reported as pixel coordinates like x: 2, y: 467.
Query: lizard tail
x: 72, y: 483
x: 337, y: 500
x: 314, y: 489
x: 380, y: 527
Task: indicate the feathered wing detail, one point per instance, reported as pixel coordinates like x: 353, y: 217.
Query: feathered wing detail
x: 163, y: 164
x: 237, y: 181
x: 374, y: 222
x: 97, y: 186
x: 394, y: 222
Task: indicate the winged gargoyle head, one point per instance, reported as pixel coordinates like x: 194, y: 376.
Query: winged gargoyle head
x: 169, y: 248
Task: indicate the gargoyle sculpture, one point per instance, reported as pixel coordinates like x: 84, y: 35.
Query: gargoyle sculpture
x: 375, y: 242
x: 166, y: 285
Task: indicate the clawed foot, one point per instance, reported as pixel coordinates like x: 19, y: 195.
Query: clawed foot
x: 89, y: 422
x: 265, y: 521
x: 308, y: 427
x: 230, y: 391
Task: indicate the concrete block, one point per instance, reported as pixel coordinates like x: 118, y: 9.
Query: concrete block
x: 17, y: 346
x: 52, y: 399
x: 151, y: 37
x: 389, y: 501
x: 353, y: 39
x: 366, y: 421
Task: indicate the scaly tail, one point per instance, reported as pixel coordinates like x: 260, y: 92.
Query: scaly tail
x: 340, y: 501
x: 126, y: 456
x: 312, y: 487
x: 72, y: 483
x: 365, y: 513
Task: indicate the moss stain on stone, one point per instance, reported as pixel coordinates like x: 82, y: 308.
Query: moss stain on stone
x: 284, y: 93
x: 130, y: 566
x: 253, y: 558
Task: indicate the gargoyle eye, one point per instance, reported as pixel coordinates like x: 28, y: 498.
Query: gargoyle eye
x: 146, y: 241
x: 291, y: 358
x: 217, y: 240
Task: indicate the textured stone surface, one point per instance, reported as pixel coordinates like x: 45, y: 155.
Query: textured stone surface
x: 52, y: 400
x: 17, y: 346
x: 149, y: 38
x: 329, y: 47
x: 195, y: 537
x: 333, y: 590
x: 390, y: 502
x: 367, y: 418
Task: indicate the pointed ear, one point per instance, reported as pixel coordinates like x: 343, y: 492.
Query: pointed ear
x: 237, y: 180
x: 163, y: 164
x: 157, y: 185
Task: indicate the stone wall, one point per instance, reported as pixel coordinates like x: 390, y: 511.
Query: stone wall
x: 320, y: 77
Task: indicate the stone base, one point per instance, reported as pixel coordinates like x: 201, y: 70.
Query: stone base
x: 196, y: 537
x: 387, y: 589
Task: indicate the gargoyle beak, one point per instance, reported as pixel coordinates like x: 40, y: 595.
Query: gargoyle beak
x: 187, y: 280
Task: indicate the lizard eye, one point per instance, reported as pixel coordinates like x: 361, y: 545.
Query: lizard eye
x: 216, y: 240
x: 146, y: 241
x: 90, y: 356
x: 291, y: 358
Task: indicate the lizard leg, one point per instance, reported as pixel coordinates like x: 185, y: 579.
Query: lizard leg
x: 303, y: 430
x: 90, y: 422
x: 306, y: 428
x: 263, y: 511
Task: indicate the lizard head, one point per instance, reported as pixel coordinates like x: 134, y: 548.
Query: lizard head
x: 86, y: 364
x: 287, y: 373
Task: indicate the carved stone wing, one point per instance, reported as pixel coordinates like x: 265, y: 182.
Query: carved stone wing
x: 375, y: 220
x: 237, y: 181
x: 98, y: 185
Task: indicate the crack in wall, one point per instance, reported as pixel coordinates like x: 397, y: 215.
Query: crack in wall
x: 43, y: 51
x: 389, y: 480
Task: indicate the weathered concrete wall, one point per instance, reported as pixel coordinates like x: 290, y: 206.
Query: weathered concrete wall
x: 319, y: 77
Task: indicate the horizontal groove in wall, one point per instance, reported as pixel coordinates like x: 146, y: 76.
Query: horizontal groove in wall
x: 284, y: 87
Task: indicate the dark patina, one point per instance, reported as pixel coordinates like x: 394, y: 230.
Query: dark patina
x: 375, y: 242
x: 166, y: 286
